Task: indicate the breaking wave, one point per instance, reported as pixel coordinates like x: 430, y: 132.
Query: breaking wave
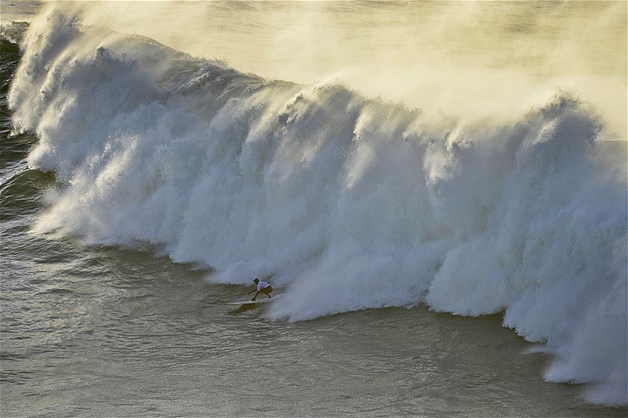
x: 347, y: 202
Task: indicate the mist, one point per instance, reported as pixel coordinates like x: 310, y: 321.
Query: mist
x: 471, y: 62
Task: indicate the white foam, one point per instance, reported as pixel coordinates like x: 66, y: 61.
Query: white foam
x: 350, y: 203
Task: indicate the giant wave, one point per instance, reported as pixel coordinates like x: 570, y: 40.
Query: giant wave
x: 348, y: 202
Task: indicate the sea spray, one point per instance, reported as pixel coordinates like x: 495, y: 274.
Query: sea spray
x: 349, y: 203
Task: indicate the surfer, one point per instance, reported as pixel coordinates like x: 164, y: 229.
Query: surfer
x: 261, y: 287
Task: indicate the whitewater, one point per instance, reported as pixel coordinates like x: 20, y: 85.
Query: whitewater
x: 347, y: 202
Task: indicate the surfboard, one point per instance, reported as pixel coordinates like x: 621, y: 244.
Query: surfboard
x: 250, y: 302
x: 260, y: 299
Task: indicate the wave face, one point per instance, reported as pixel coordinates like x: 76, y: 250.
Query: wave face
x: 349, y: 203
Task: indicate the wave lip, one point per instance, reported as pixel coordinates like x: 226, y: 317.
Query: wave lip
x: 350, y: 203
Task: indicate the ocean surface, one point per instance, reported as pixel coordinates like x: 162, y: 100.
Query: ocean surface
x: 436, y: 190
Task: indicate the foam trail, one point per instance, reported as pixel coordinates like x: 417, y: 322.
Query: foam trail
x: 349, y: 203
